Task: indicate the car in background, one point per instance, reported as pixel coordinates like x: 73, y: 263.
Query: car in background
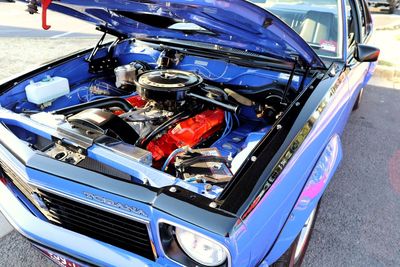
x: 205, y: 134
x: 392, y: 5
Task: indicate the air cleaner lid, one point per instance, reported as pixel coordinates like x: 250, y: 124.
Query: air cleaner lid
x: 172, y: 80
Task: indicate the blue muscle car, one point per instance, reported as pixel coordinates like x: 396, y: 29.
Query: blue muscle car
x: 204, y: 135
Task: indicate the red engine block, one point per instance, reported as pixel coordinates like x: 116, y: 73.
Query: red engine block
x: 189, y: 132
x: 136, y: 101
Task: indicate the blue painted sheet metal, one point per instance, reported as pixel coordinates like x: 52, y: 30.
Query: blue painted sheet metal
x: 309, y: 198
x: 238, y: 24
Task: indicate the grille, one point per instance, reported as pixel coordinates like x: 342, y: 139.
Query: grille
x: 116, y: 230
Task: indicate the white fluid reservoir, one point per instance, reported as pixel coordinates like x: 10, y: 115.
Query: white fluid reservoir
x: 47, y: 90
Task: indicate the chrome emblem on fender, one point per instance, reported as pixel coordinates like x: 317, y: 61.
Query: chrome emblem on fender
x: 115, y: 204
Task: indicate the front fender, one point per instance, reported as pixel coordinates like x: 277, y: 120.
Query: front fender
x: 312, y: 192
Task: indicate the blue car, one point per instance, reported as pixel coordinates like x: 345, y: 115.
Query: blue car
x: 204, y: 135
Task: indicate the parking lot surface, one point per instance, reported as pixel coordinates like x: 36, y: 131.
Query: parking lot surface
x: 358, y: 223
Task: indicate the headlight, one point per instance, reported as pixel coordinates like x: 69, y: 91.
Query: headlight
x: 200, y: 249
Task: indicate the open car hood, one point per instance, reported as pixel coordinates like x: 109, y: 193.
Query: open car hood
x: 235, y: 24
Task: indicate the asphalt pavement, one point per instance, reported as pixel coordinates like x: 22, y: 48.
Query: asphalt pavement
x: 358, y: 222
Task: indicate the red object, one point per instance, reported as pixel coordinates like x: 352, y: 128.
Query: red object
x: 136, y: 101
x: 118, y: 112
x: 328, y: 45
x: 189, y: 132
x: 45, y: 5
x: 3, y: 180
x: 59, y: 259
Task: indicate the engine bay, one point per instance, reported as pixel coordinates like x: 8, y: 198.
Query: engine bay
x: 188, y: 118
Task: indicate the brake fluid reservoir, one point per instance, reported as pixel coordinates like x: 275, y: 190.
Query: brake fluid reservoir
x: 47, y: 90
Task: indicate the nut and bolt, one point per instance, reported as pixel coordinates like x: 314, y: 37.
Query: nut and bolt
x: 208, y: 187
x: 172, y: 190
x: 213, y: 205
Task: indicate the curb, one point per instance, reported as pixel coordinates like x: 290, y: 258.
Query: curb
x: 388, y: 73
x: 5, y: 227
x: 392, y: 27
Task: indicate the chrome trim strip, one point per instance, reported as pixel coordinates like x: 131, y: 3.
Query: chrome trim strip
x: 17, y: 166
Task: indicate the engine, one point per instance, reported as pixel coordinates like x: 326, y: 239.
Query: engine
x: 167, y: 118
x: 169, y: 111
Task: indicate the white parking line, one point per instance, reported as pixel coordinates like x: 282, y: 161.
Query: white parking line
x: 5, y: 227
x: 61, y: 35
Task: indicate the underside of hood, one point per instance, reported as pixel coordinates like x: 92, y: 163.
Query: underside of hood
x: 236, y: 24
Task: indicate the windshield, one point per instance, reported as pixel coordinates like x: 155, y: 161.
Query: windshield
x: 316, y: 21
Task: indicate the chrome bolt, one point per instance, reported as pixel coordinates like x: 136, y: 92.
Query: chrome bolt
x: 208, y: 187
x: 172, y: 190
x: 213, y: 205
x: 253, y: 158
